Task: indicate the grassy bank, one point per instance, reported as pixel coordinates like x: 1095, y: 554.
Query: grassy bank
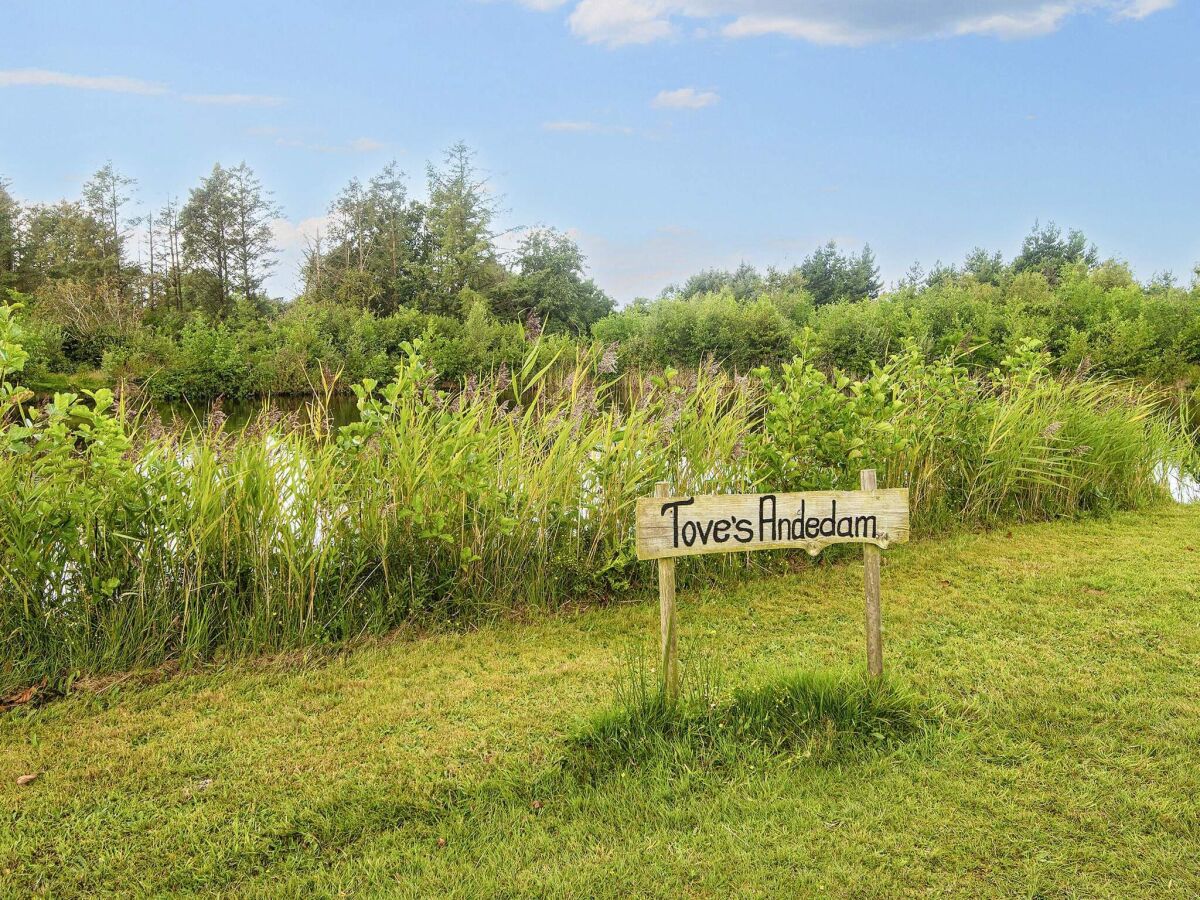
x: 1054, y: 667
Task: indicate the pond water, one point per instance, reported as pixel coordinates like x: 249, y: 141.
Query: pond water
x: 342, y: 410
x: 1184, y: 488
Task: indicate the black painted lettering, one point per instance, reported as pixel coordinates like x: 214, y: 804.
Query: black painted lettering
x: 689, y: 533
x: 827, y: 524
x: 764, y: 519
x: 673, y: 506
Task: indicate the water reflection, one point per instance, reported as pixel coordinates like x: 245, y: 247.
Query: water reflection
x: 342, y: 410
x: 1185, y: 488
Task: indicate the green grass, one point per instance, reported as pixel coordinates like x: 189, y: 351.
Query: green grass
x: 823, y: 717
x: 1049, y: 675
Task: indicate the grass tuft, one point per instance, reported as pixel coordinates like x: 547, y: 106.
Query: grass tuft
x: 824, y: 718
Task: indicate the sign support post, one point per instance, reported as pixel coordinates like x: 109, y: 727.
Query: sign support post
x: 871, y: 563
x: 669, y: 659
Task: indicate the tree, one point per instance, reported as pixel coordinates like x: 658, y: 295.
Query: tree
x: 206, y: 224
x: 459, y: 220
x: 168, y: 246
x: 10, y: 216
x: 941, y: 274
x: 984, y: 267
x: 226, y: 235
x: 377, y: 246
x: 1045, y: 250
x: 862, y: 275
x: 254, y: 249
x: 105, y: 197
x: 830, y: 276
x: 823, y: 273
x: 744, y: 283
x: 400, y: 244
x: 550, y: 281
x: 61, y: 240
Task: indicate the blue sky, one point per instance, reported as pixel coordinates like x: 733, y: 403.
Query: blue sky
x: 665, y: 135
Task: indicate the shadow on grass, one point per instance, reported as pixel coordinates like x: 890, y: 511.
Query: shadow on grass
x: 822, y: 718
x: 788, y: 718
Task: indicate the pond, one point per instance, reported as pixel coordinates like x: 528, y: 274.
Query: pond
x: 342, y: 410
x: 1185, y: 488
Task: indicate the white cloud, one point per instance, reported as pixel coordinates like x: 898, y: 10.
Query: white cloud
x: 1139, y: 9
x: 642, y: 265
x: 834, y: 22
x: 291, y: 235
x: 616, y: 22
x: 570, y: 126
x: 685, y: 98
x: 117, y: 84
x: 293, y: 239
x: 233, y: 99
x: 121, y: 84
x: 585, y: 127
x: 357, y: 145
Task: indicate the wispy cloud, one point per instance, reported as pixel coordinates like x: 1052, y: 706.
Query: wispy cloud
x: 1139, y: 9
x: 585, y: 127
x: 843, y: 23
x: 117, y: 84
x: 234, y: 99
x: 685, y: 98
x: 357, y: 145
x: 122, y: 84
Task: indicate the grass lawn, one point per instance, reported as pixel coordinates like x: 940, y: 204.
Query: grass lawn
x: 1059, y: 665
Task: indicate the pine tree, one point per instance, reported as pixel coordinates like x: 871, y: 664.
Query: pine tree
x: 105, y: 196
x: 459, y: 220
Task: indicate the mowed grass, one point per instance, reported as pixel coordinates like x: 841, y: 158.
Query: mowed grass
x: 1056, y: 667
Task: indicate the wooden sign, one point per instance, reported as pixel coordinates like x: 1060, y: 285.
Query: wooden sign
x: 669, y: 526
x: 727, y: 523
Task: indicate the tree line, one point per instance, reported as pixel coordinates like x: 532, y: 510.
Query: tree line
x: 1088, y: 313
x: 174, y: 300
x: 99, y: 269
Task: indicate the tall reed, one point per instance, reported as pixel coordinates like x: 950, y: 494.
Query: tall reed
x: 123, y: 544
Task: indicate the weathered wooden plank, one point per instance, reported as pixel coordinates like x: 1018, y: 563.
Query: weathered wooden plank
x: 668, y: 622
x: 727, y: 523
x: 872, y: 591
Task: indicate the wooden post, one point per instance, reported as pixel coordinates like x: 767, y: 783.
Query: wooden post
x: 871, y: 555
x: 668, y: 661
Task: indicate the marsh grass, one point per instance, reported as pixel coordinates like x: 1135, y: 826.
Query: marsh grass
x: 818, y: 717
x: 124, y: 544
